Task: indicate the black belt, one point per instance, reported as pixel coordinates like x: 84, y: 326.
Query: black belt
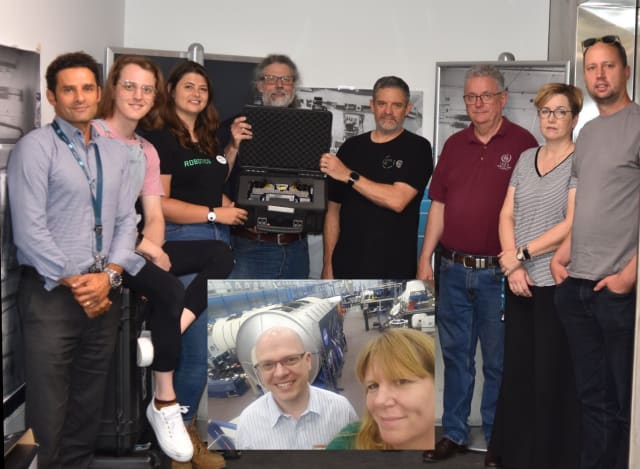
x: 31, y: 271
x: 470, y: 261
x: 281, y: 239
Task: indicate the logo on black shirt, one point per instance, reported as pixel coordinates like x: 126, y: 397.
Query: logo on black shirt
x: 197, y: 162
x: 388, y: 162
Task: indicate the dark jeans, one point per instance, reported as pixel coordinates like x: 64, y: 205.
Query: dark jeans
x: 67, y: 358
x: 190, y: 377
x: 600, y: 329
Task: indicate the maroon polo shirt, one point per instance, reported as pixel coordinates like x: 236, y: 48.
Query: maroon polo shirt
x: 471, y: 180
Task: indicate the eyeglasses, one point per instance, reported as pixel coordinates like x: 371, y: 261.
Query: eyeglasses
x: 610, y: 39
x: 290, y: 361
x: 557, y: 113
x: 132, y: 87
x: 484, y: 97
x: 271, y: 79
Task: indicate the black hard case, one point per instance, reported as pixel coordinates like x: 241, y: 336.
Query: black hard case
x: 285, y: 149
x: 128, y: 387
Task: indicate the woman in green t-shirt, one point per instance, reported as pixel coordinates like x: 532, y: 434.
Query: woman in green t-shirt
x: 397, y: 370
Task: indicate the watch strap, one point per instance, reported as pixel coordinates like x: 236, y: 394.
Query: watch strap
x: 353, y: 177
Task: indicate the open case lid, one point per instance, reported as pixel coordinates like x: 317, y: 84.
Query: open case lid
x: 285, y: 139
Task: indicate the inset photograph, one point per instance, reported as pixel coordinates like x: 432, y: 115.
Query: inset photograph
x: 321, y: 364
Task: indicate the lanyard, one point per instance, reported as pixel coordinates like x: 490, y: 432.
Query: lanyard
x: 96, y: 198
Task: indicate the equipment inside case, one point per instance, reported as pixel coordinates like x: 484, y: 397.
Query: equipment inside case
x: 280, y: 183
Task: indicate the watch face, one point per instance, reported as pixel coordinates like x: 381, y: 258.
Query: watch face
x: 211, y: 217
x: 116, y: 280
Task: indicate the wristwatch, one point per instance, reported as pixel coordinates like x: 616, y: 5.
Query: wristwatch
x: 115, y: 279
x: 522, y: 254
x: 353, y: 177
x: 211, y: 217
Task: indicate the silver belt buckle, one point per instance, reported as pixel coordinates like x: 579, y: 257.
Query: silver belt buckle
x: 278, y: 242
x: 469, y: 262
x: 472, y: 262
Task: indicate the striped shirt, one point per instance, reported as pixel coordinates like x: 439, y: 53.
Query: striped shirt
x: 540, y: 203
x: 51, y: 210
x: 263, y: 425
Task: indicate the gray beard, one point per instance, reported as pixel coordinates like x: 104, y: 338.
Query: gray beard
x: 278, y: 100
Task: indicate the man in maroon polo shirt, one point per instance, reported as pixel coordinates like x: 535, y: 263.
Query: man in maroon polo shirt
x: 467, y: 191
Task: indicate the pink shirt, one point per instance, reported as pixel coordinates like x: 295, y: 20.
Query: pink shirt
x: 151, y: 184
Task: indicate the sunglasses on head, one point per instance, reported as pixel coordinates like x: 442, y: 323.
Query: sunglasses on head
x: 610, y: 39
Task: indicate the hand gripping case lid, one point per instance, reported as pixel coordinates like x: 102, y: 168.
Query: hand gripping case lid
x: 285, y: 139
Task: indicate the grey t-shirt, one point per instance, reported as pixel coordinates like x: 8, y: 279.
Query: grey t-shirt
x: 607, y: 214
x: 540, y: 203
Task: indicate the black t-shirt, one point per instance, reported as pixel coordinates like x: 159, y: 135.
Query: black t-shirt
x: 195, y: 178
x: 376, y: 242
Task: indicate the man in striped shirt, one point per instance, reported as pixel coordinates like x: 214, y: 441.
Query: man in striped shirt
x: 292, y: 414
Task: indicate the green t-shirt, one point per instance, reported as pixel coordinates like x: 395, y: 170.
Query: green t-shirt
x: 346, y: 438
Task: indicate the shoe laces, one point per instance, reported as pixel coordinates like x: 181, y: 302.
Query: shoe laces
x: 172, y: 417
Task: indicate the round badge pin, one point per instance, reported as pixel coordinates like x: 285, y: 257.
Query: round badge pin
x: 221, y: 159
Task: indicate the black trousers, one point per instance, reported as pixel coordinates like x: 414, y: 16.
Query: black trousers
x: 167, y: 296
x: 537, y: 421
x: 67, y: 357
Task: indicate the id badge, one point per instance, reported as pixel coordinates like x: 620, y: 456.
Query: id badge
x: 98, y: 264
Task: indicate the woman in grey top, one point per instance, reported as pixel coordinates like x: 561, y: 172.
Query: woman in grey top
x: 536, y: 422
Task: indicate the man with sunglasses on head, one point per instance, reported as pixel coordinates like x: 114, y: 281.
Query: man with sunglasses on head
x: 596, y: 266
x: 376, y: 186
x: 467, y: 191
x: 292, y: 414
x: 261, y: 254
x: 74, y: 228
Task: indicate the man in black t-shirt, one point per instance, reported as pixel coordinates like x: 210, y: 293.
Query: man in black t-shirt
x: 377, y: 182
x: 262, y: 254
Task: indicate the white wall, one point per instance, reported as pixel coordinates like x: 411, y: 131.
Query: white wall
x: 348, y: 42
x: 56, y: 27
x: 334, y: 42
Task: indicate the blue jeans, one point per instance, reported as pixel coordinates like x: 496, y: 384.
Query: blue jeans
x: 190, y: 377
x: 600, y: 330
x: 260, y: 259
x: 469, y: 307
x: 215, y: 231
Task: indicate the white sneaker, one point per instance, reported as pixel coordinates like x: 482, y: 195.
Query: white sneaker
x: 170, y: 431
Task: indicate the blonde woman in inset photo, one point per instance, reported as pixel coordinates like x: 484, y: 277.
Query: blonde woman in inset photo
x: 397, y: 371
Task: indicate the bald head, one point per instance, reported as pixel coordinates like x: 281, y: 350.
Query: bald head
x: 278, y: 337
